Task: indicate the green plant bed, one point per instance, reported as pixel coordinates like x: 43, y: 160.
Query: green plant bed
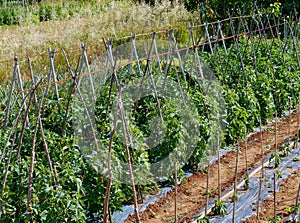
x: 253, y: 94
x: 80, y: 189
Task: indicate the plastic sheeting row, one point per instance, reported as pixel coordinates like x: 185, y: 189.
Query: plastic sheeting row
x: 121, y: 216
x: 247, y: 200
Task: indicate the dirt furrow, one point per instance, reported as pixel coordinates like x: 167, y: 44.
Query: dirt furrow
x: 285, y: 200
x: 191, y: 193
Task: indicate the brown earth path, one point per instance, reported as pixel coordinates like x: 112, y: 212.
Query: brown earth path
x: 191, y: 193
x: 285, y: 197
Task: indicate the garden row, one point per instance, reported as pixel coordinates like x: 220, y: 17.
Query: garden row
x: 258, y: 86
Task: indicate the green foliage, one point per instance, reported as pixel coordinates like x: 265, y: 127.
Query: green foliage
x: 278, y: 174
x: 219, y: 208
x: 234, y: 197
x: 247, y: 181
x: 289, y: 210
x: 9, y: 16
x: 213, y: 9
x: 79, y: 190
x: 34, y: 13
x: 276, y: 219
x: 180, y: 178
x: 253, y: 93
x: 203, y: 220
x: 275, y: 8
x: 181, y: 34
x: 285, y: 149
x: 145, y: 111
x: 277, y: 159
x: 250, y: 95
x: 45, y: 13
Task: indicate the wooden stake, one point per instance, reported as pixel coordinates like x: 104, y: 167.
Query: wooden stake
x: 274, y: 194
x: 12, y: 145
x: 276, y: 145
x: 110, y: 174
x: 207, y: 186
x: 71, y: 93
x: 219, y: 169
x: 297, y: 203
x: 262, y: 172
x: 45, y: 144
x: 246, y: 151
x: 32, y: 159
x: 298, y: 121
x: 176, y: 184
x: 290, y: 119
x: 246, y: 178
x: 126, y: 135
x: 235, y: 179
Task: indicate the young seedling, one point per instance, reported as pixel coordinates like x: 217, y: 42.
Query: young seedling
x: 246, y: 177
x: 247, y: 181
x: 289, y: 210
x: 285, y: 149
x: 277, y: 159
x: 219, y: 208
x: 234, y: 197
x: 274, y: 219
x: 203, y: 220
x: 278, y: 174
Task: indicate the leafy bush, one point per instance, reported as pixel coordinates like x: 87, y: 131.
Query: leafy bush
x: 9, y: 16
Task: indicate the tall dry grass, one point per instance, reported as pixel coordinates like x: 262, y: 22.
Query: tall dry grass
x: 117, y: 19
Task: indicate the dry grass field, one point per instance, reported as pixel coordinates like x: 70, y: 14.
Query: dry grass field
x: 110, y: 19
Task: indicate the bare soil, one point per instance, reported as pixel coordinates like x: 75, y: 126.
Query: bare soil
x: 191, y: 194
